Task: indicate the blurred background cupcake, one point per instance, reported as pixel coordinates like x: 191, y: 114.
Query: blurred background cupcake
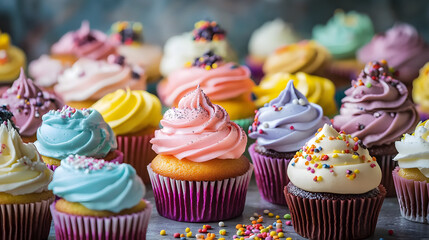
x: 421, y: 92
x: 45, y: 71
x: 206, y: 36
x: 264, y: 41
x: 12, y: 59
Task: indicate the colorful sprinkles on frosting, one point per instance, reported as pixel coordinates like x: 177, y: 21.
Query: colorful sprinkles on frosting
x: 69, y: 112
x: 208, y: 31
x: 208, y: 61
x: 88, y: 164
x: 128, y: 33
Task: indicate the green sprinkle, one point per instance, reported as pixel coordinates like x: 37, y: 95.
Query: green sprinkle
x: 368, y: 85
x: 287, y: 216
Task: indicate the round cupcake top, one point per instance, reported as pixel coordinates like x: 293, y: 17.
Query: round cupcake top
x: 220, y: 80
x: 270, y: 36
x: 28, y: 103
x: 97, y: 184
x: 421, y: 89
x: 199, y: 131
x: 45, y: 70
x: 92, y: 79
x: 333, y: 162
x: 304, y: 56
x: 21, y: 169
x: 72, y: 131
x: 84, y: 42
x: 402, y: 47
x: 11, y: 59
x: 376, y: 108
x: 344, y: 33
x: 129, y: 111
x: 287, y: 122
x: 316, y: 89
x: 127, y: 33
x: 413, y: 149
x: 207, y: 36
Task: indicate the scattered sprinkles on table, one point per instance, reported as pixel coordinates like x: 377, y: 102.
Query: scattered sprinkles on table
x: 208, y: 31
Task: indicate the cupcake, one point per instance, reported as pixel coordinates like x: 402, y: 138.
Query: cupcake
x: 316, y: 89
x: 199, y: 151
x: 377, y: 110
x: 265, y: 40
x: 402, y: 47
x: 84, y: 42
x: 304, y: 56
x: 334, y: 190
x: 133, y: 117
x: 421, y: 92
x: 24, y: 194
x: 207, y: 36
x: 45, y: 71
x: 98, y: 200
x: 28, y: 103
x: 12, y: 59
x: 281, y: 128
x: 70, y: 131
x: 89, y: 80
x: 412, y: 176
x: 127, y: 36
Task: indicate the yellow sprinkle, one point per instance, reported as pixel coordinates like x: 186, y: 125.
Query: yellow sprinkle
x: 214, y: 65
x: 187, y: 230
x: 355, y: 156
x: 201, y: 59
x: 357, y: 171
x: 208, y: 67
x: 317, y: 141
x: 336, y: 151
x: 312, y: 161
x: 18, y: 96
x: 221, y: 238
x: 343, y: 152
x: 281, y: 234
x: 319, y: 166
x: 277, y: 217
x: 319, y: 178
x: 272, y: 233
x: 270, y: 214
x: 162, y: 232
x: 335, y: 155
x: 188, y: 64
x: 189, y: 234
x: 222, y: 232
x: 289, y: 238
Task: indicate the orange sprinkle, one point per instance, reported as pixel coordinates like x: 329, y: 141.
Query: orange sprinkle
x: 355, y: 139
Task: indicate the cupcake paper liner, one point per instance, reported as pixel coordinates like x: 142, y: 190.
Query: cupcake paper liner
x: 271, y: 176
x: 200, y: 201
x: 335, y: 219
x: 245, y: 123
x: 25, y: 221
x: 137, y: 152
x: 131, y: 226
x: 413, y: 198
x: 387, y: 165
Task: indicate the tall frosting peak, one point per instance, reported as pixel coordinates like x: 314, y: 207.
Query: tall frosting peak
x: 25, y: 87
x: 289, y: 95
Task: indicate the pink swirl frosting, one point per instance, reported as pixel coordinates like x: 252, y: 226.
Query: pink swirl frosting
x: 227, y: 81
x: 199, y: 131
x: 84, y: 42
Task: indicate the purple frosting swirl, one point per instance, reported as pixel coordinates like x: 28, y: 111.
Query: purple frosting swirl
x: 376, y: 108
x: 287, y: 122
x: 402, y: 47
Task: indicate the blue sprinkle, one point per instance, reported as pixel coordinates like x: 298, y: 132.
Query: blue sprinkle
x: 326, y: 165
x: 316, y: 150
x: 274, y: 224
x: 182, y: 238
x: 293, y: 164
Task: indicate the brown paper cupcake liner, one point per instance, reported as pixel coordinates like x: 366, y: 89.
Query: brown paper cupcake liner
x: 387, y: 165
x: 413, y: 198
x: 25, y: 221
x: 335, y: 219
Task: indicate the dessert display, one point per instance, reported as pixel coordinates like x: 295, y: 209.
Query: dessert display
x: 420, y: 92
x: 281, y: 128
x: 199, y: 150
x: 12, y: 59
x: 378, y: 111
x: 334, y: 179
x: 206, y: 36
x: 133, y: 115
x: 98, y: 198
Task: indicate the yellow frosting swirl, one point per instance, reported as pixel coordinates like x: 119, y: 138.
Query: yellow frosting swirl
x: 129, y: 111
x: 21, y: 168
x: 421, y: 89
x: 316, y: 89
x: 10, y: 69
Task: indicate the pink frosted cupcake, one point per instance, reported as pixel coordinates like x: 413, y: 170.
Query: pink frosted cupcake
x: 199, y: 174
x: 98, y: 200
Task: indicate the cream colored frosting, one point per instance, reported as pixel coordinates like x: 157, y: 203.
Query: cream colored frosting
x: 21, y: 168
x: 270, y: 36
x: 334, y: 162
x: 413, y: 149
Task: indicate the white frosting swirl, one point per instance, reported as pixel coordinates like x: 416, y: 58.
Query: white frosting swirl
x: 413, y: 149
x: 334, y: 162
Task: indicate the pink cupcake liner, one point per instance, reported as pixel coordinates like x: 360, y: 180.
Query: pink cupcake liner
x: 25, y: 221
x: 131, y: 226
x: 200, y: 201
x: 137, y: 152
x: 119, y: 159
x: 413, y: 198
x: 387, y: 165
x: 271, y: 176
x: 335, y: 219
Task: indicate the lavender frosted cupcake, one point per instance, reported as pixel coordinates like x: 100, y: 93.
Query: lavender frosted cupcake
x: 281, y: 128
x: 377, y: 110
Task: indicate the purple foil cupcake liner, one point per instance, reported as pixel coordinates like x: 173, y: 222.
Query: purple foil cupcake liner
x: 413, y: 198
x: 25, y: 221
x: 131, y: 226
x: 271, y: 176
x: 200, y: 201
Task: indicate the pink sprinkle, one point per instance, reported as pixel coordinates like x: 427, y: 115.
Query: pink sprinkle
x: 261, y: 131
x: 292, y: 128
x: 316, y: 165
x: 312, y: 171
x: 289, y: 223
x: 372, y: 165
x: 309, y: 168
x: 331, y: 170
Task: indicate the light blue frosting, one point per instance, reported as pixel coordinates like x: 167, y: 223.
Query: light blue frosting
x: 71, y: 131
x: 112, y: 187
x: 344, y: 33
x: 287, y: 122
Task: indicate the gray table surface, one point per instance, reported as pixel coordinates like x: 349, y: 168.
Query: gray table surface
x: 389, y: 218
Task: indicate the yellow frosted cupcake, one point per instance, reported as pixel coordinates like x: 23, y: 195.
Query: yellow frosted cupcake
x: 421, y: 92
x: 24, y: 194
x: 133, y: 117
x: 12, y: 59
